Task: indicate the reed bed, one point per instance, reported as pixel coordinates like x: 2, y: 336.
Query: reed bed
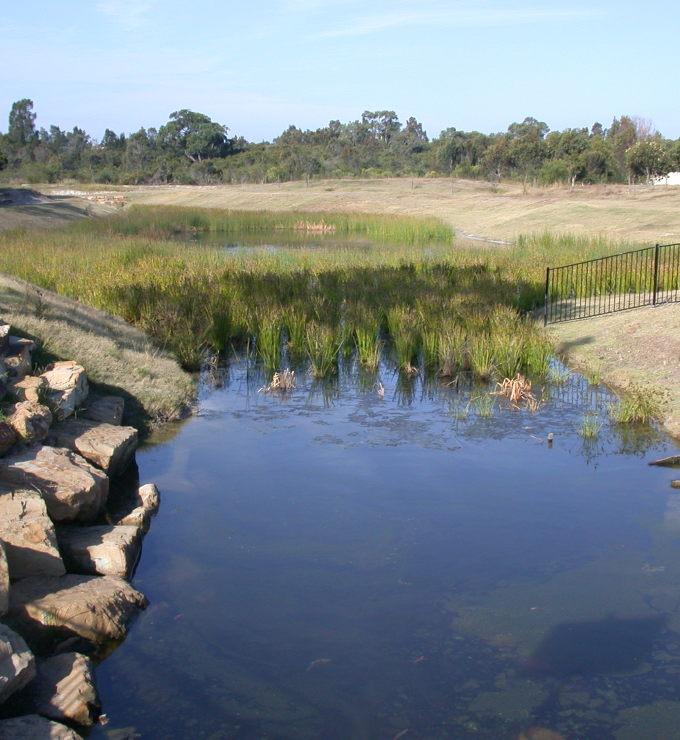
x: 428, y: 305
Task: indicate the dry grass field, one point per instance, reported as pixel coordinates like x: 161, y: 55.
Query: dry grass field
x: 640, y: 214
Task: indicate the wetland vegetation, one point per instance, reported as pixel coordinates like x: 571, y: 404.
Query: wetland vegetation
x: 409, y: 293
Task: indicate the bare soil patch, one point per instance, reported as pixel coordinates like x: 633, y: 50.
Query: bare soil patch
x: 24, y: 208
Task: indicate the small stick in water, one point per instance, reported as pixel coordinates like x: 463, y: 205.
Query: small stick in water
x: 318, y: 661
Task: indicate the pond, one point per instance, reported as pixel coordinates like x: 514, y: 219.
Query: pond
x: 335, y: 563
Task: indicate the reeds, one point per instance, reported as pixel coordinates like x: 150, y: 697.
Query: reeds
x: 589, y: 426
x: 448, y: 310
x: 638, y: 405
x: 322, y: 347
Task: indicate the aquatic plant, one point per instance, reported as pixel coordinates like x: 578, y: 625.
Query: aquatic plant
x: 480, y: 352
x: 590, y: 425
x: 268, y: 341
x: 322, y: 346
x: 283, y: 381
x: 638, y: 405
x: 559, y: 374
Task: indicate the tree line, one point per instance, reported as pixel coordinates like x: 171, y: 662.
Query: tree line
x: 190, y: 148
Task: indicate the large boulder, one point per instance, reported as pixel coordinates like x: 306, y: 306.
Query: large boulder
x: 28, y: 534
x: 30, y: 388
x: 17, y: 664
x: 31, y: 421
x: 98, y: 608
x: 34, y: 727
x: 107, y: 446
x: 65, y: 689
x: 103, y: 550
x: 72, y: 488
x: 67, y: 387
x: 146, y: 501
x: 106, y: 409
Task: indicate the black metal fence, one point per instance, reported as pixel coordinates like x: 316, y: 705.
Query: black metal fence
x: 644, y: 277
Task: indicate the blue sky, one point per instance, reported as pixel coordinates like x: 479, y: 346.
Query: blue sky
x: 258, y: 67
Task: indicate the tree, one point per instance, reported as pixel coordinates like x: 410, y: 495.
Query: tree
x: 648, y: 158
x: 193, y: 135
x: 21, y: 137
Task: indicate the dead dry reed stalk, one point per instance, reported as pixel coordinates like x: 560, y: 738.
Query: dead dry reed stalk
x: 283, y: 381
x: 518, y: 390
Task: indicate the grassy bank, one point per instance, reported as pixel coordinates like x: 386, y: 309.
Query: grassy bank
x: 119, y: 359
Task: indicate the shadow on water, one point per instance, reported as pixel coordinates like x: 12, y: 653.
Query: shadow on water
x: 609, y: 645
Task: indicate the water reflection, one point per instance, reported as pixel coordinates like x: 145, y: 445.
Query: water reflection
x: 442, y: 572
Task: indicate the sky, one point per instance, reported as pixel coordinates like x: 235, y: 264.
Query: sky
x: 262, y: 66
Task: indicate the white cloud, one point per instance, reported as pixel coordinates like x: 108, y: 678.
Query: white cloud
x: 128, y: 13
x: 446, y: 16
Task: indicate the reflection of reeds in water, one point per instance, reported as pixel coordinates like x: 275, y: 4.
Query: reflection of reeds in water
x: 483, y: 405
x: 322, y: 347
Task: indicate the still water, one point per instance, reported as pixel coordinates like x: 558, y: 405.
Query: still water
x: 332, y: 565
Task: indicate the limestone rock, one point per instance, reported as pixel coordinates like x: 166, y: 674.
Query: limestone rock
x: 31, y: 421
x: 138, y: 517
x: 34, y: 727
x: 150, y: 497
x: 72, y: 488
x: 7, y: 437
x: 17, y: 665
x: 65, y: 689
x: 4, y: 335
x: 103, y: 550
x: 4, y: 580
x: 16, y: 356
x: 108, y: 447
x: 30, y: 388
x: 28, y: 534
x: 67, y: 387
x: 107, y: 409
x: 98, y: 608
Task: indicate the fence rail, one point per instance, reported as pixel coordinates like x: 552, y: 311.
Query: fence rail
x: 644, y: 277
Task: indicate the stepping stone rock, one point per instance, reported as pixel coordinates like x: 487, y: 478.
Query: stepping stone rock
x: 150, y: 497
x: 28, y: 534
x: 67, y: 387
x: 103, y: 550
x: 16, y: 356
x: 31, y: 421
x: 34, y: 727
x: 30, y: 388
x: 4, y: 580
x: 71, y: 487
x: 98, y: 608
x: 7, y: 437
x: 108, y: 410
x: 65, y: 689
x: 17, y: 665
x: 108, y: 447
x: 139, y: 517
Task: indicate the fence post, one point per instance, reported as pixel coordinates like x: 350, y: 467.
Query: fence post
x: 656, y: 273
x: 547, y: 286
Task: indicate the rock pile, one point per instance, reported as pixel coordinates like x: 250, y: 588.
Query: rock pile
x: 65, y: 558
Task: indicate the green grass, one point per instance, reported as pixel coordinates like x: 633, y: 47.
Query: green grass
x: 638, y: 406
x: 589, y: 426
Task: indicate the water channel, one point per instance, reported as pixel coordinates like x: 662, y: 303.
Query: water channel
x: 330, y: 564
